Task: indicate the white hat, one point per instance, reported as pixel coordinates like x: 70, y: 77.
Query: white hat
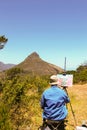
x: 54, y: 80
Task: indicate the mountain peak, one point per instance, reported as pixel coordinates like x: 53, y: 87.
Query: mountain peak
x: 34, y: 54
x: 34, y: 64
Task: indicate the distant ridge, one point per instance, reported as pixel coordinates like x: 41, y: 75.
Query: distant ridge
x: 4, y: 66
x: 34, y: 64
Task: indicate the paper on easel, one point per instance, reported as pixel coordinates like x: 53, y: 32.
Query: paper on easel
x: 65, y: 80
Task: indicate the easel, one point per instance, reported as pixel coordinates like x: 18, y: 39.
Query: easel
x: 68, y: 95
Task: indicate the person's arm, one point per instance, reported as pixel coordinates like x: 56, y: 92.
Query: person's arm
x: 67, y: 99
x: 42, y: 102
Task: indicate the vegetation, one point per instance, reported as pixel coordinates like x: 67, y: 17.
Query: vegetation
x: 3, y: 40
x: 80, y: 75
x: 20, y: 99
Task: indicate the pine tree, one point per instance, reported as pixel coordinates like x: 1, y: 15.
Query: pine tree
x: 3, y: 41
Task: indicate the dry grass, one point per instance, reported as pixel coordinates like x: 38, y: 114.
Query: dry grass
x: 78, y: 96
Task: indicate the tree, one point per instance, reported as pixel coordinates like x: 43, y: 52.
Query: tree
x: 3, y: 41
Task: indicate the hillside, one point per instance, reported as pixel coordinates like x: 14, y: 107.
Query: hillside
x: 4, y: 66
x: 34, y: 64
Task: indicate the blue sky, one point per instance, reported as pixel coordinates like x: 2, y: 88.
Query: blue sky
x: 55, y: 29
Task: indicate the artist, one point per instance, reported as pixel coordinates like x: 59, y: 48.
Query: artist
x: 53, y: 103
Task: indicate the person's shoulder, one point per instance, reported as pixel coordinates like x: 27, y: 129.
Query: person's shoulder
x: 61, y: 90
x: 47, y: 90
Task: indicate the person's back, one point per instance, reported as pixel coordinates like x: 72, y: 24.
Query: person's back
x: 53, y: 102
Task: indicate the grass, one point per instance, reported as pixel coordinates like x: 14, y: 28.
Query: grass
x: 78, y: 96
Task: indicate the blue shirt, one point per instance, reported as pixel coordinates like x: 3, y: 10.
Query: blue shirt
x: 53, y: 103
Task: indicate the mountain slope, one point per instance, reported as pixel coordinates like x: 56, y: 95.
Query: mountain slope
x: 5, y: 66
x: 34, y: 64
